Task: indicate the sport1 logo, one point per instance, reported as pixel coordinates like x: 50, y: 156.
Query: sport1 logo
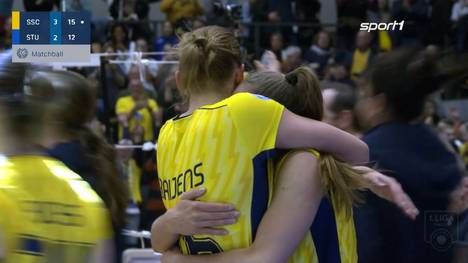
x: 22, y: 53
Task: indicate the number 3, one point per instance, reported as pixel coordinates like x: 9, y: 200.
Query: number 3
x: 200, y: 246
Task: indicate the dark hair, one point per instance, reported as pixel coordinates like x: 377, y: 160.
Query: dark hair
x: 124, y: 28
x: 330, y: 38
x: 345, y: 98
x: 21, y: 116
x: 408, y: 76
x: 286, y: 88
x: 69, y: 100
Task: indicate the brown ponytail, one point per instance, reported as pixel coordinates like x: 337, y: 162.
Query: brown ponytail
x: 299, y: 91
x: 110, y: 186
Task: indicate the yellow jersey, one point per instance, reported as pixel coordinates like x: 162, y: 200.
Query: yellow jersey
x: 360, y: 63
x: 48, y: 213
x: 143, y: 117
x: 332, y: 236
x: 226, y: 148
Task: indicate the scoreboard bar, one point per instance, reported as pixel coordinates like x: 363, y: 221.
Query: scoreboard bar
x: 51, y: 36
x: 55, y: 28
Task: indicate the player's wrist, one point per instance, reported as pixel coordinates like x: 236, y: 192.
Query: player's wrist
x: 170, y: 221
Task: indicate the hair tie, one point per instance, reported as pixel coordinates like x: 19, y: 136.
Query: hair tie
x: 201, y: 43
x: 291, y: 79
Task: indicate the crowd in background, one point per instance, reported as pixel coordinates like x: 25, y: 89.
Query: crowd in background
x: 142, y: 92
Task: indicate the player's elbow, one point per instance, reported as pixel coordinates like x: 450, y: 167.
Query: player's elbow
x: 262, y: 254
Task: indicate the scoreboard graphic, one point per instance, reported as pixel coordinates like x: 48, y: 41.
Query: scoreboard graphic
x: 51, y: 36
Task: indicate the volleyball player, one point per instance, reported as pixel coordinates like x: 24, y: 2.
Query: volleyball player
x: 332, y: 237
x: 48, y: 213
x: 224, y: 144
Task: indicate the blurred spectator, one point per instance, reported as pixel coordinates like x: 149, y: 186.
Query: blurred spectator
x: 78, y: 5
x: 173, y: 101
x: 320, y: 52
x: 339, y: 101
x: 338, y: 72
x: 440, y: 22
x: 5, y: 13
x: 176, y: 10
x: 137, y: 114
x: 41, y: 5
x: 5, y: 34
x: 378, y: 11
x: 431, y: 116
x: 415, y: 13
x: 276, y: 46
x: 306, y: 11
x: 273, y: 11
x: 198, y: 22
x: 350, y: 15
x: 115, y: 79
x: 165, y: 72
x: 119, y: 37
x: 390, y: 106
x: 144, y: 72
x: 292, y: 58
x: 460, y: 18
x: 362, y: 55
x: 96, y: 47
x: 167, y: 40
x: 129, y: 9
x: 135, y: 15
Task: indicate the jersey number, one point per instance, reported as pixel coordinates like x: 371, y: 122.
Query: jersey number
x: 200, y: 246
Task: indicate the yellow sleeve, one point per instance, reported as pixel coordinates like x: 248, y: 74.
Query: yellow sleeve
x: 257, y: 120
x: 122, y: 106
x: 153, y: 105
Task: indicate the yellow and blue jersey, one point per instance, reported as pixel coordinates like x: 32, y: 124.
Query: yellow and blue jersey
x: 332, y: 236
x: 48, y: 213
x: 226, y: 148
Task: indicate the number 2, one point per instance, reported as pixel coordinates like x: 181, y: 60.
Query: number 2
x: 201, y: 246
x: 55, y: 37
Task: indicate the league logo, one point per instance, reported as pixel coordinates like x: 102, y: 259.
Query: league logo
x: 22, y: 53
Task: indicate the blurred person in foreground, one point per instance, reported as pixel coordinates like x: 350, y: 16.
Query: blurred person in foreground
x: 48, y: 213
x: 69, y: 104
x: 391, y: 107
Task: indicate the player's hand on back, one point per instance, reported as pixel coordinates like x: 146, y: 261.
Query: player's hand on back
x: 191, y: 217
x: 389, y: 189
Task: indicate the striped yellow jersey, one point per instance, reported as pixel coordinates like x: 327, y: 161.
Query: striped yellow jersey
x: 225, y: 148
x: 48, y: 213
x: 332, y: 237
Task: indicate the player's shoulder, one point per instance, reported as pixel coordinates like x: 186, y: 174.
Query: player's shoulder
x: 244, y: 97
